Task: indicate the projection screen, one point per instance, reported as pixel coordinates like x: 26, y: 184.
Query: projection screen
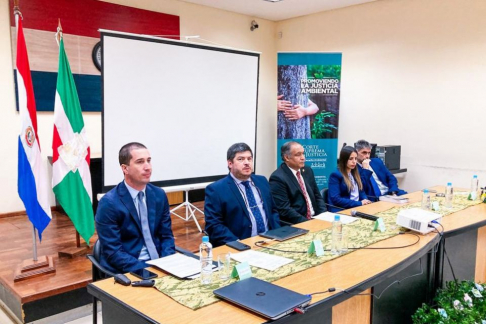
x: 186, y: 102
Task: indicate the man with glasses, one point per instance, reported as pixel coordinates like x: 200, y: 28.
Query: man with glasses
x: 294, y: 187
x: 240, y: 205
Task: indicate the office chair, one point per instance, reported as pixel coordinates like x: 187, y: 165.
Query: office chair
x: 324, y: 195
x: 98, y: 273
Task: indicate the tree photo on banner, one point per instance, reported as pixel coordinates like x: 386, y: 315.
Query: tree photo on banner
x: 309, y: 86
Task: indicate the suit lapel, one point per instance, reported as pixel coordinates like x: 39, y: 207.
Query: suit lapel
x: 375, y: 166
x: 236, y: 192
x: 150, y: 200
x: 307, y: 182
x: 128, y: 202
x: 266, y: 204
x: 291, y: 176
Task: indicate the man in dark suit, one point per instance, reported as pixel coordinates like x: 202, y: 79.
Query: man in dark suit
x: 377, y: 179
x: 133, y: 219
x: 294, y: 187
x: 240, y: 205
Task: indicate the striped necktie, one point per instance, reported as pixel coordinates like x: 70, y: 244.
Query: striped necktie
x: 302, y: 187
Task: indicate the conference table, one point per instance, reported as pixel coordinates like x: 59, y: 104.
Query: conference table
x: 355, y: 276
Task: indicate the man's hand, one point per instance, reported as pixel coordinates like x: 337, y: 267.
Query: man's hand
x: 297, y: 113
x: 365, y: 202
x: 366, y: 164
x: 283, y: 105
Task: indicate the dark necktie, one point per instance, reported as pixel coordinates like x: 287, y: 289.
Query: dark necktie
x: 147, y: 237
x: 302, y: 187
x: 252, y: 204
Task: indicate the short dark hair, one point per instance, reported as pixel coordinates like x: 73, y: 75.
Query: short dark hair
x: 361, y: 144
x: 237, y: 148
x: 286, y: 148
x: 125, y: 155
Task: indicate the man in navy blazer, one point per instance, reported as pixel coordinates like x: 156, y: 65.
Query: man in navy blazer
x: 240, y: 205
x: 134, y: 227
x: 380, y: 181
x: 294, y: 187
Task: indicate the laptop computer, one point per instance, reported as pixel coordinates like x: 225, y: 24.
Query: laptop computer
x: 284, y: 233
x: 266, y: 299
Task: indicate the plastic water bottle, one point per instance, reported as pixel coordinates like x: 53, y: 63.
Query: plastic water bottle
x: 206, y: 259
x: 449, y: 195
x: 336, y: 235
x: 474, y: 188
x: 426, y: 199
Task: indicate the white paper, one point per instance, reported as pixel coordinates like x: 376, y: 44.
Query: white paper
x: 178, y: 264
x: 261, y: 260
x: 329, y: 217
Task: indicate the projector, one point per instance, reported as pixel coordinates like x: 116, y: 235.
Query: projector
x: 418, y: 219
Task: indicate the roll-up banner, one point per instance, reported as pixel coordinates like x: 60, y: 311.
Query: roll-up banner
x: 309, y: 88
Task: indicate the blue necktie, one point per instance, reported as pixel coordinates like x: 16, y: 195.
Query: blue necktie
x: 376, y: 189
x: 252, y: 204
x: 147, y: 237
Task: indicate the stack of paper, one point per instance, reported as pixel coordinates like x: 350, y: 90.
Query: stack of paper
x: 179, y: 265
x: 394, y: 199
x: 329, y: 217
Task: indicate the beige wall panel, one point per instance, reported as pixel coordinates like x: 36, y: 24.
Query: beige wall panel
x: 44, y: 52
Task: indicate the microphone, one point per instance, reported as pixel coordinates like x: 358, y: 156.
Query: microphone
x: 335, y: 207
x: 355, y: 213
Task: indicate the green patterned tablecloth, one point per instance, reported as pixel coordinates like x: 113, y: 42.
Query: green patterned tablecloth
x: 192, y: 294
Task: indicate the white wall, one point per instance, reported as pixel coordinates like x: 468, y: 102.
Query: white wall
x: 414, y: 74
x: 218, y: 26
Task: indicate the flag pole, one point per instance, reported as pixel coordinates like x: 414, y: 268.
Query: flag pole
x: 59, y: 31
x: 18, y: 15
x: 78, y: 250
x: 78, y: 238
x: 29, y: 268
x: 34, y: 239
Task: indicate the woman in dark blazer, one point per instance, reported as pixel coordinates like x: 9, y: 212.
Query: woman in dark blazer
x: 345, y: 186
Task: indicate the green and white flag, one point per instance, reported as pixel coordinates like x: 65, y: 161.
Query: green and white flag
x: 71, y: 178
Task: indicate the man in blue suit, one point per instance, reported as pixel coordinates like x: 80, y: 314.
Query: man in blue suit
x: 240, y: 205
x: 133, y: 219
x: 380, y: 180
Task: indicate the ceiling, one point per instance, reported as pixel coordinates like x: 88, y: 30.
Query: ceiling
x: 277, y: 11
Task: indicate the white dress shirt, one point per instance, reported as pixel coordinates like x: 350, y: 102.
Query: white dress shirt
x: 258, y: 198
x: 306, y: 194
x: 144, y: 255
